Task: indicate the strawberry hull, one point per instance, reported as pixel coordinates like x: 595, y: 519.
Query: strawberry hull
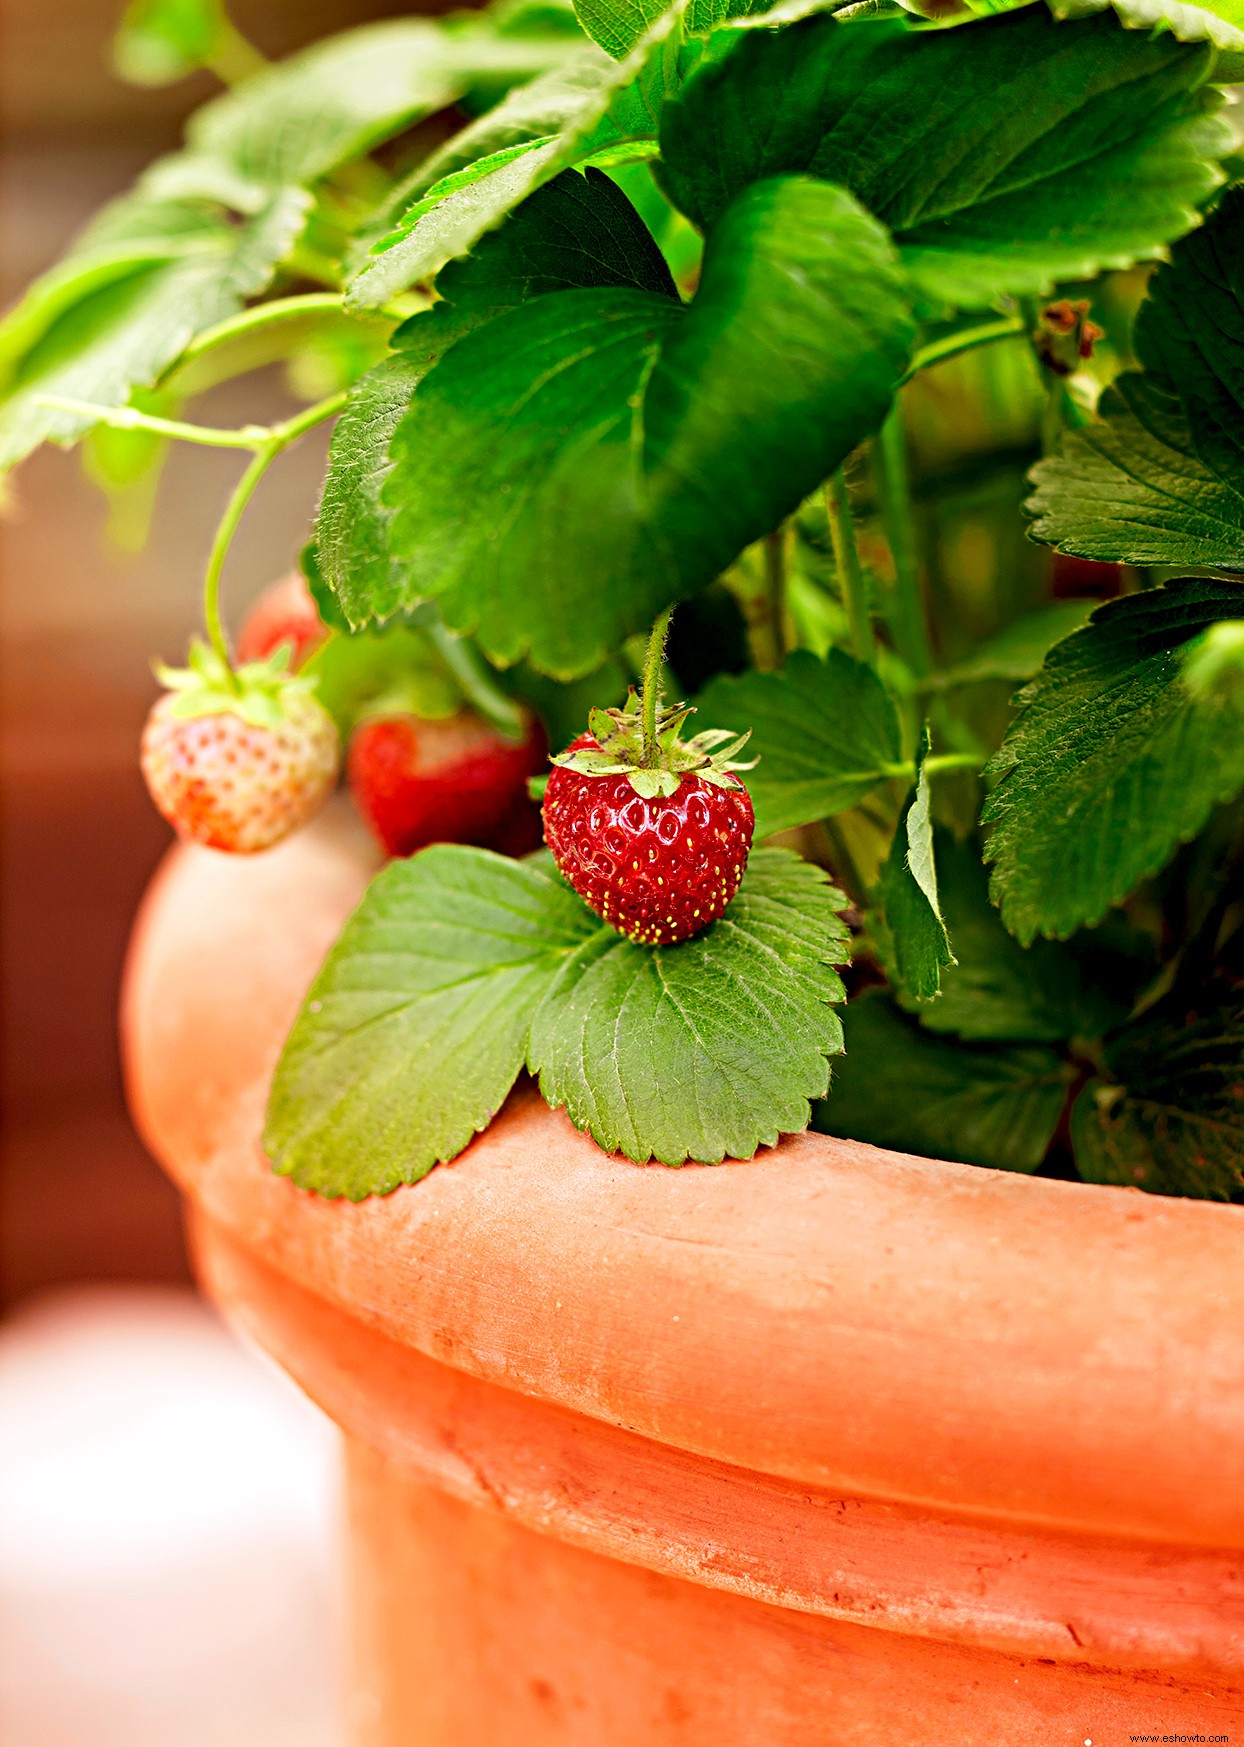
x: 834, y: 1446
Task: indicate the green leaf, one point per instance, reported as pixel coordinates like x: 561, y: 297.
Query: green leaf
x: 460, y: 965
x: 305, y: 116
x: 1018, y: 651
x: 1004, y: 155
x: 414, y: 1031
x: 535, y: 111
x: 161, y: 41
x: 577, y: 231
x: 115, y: 316
x: 1113, y: 760
x: 1172, y: 1118
x: 919, y: 946
x: 708, y: 1049
x: 998, y: 990
x: 1219, y: 24
x: 617, y: 25
x: 824, y: 732
x: 573, y: 466
x: 590, y: 105
x: 1159, y: 477
x: 897, y: 1086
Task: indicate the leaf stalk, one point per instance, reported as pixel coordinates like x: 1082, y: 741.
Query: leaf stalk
x: 847, y: 561
x: 276, y: 438
x: 907, y: 619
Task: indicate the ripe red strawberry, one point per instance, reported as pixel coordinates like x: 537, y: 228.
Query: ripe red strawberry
x: 657, y: 850
x: 453, y: 781
x: 284, y: 613
x: 238, y: 769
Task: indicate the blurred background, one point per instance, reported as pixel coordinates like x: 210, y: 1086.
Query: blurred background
x: 166, y: 1498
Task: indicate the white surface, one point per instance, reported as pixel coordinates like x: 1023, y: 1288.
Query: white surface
x: 168, y: 1515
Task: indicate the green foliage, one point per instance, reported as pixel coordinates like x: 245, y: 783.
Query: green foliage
x: 1171, y: 1116
x: 623, y: 486
x: 1000, y: 991
x: 1219, y: 24
x: 1113, y: 760
x: 1003, y: 155
x: 898, y: 1086
x: 589, y: 106
x: 460, y: 966
x: 918, y: 945
x: 160, y: 41
x: 825, y: 733
x: 1159, y: 478
x: 579, y: 231
x: 603, y: 296
x: 740, y: 1013
x: 617, y: 25
x: 357, y: 675
x: 303, y: 117
x: 147, y: 277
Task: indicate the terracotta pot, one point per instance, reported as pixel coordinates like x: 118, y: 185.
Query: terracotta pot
x: 836, y: 1446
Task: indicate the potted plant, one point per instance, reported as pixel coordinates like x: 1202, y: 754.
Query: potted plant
x: 705, y: 356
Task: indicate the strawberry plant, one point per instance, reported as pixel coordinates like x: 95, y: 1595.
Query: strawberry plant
x: 820, y: 428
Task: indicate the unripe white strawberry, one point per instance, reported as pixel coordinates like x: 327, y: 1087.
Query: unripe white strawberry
x: 239, y: 768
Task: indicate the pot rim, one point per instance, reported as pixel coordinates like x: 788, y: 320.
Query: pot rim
x: 828, y: 1313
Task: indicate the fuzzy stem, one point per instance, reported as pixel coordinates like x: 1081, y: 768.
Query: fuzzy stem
x: 276, y: 439
x: 260, y: 315
x: 129, y: 418
x: 242, y: 494
x: 911, y: 632
x: 937, y: 765
x: 847, y: 560
x: 652, y: 686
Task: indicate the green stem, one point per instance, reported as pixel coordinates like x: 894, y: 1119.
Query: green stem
x: 276, y: 439
x: 652, y: 686
x: 952, y: 345
x: 847, y: 560
x: 908, y: 624
x: 941, y: 762
x: 242, y: 494
x: 477, y: 681
x: 937, y: 765
x: 775, y: 590
x: 291, y: 429
x: 129, y: 418
x: 259, y: 316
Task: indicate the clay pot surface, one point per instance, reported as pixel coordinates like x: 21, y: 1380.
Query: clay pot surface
x: 834, y: 1445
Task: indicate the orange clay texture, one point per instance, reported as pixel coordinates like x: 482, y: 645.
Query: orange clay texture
x: 226, y: 783
x: 658, y: 871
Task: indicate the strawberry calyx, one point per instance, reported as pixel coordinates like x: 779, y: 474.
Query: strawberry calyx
x: 260, y: 692
x: 614, y: 746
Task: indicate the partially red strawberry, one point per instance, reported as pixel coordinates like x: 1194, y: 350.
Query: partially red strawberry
x: 655, y: 841
x: 453, y: 781
x: 285, y: 613
x: 238, y: 767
